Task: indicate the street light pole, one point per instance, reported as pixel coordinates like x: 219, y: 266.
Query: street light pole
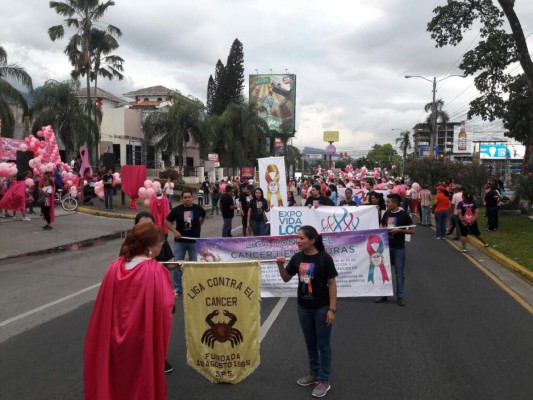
x: 433, y: 133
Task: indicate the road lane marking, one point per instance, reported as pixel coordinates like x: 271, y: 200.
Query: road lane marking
x: 272, y: 317
x: 43, y: 307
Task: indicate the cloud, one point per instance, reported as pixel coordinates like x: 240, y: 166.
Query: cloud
x: 350, y: 57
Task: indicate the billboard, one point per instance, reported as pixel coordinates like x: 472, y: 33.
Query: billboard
x: 9, y: 147
x: 462, y: 144
x: 424, y: 151
x: 275, y: 95
x: 500, y: 151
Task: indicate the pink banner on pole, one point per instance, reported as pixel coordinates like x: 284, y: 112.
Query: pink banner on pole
x: 133, y: 177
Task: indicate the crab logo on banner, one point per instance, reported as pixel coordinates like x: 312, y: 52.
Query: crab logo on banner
x: 228, y: 295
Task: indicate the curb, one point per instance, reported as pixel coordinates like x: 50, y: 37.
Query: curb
x: 104, y: 213
x: 511, y: 265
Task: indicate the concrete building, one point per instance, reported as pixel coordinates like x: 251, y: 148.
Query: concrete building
x: 444, y: 142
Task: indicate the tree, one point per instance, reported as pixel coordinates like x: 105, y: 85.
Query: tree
x: 168, y: 130
x: 404, y: 141
x: 293, y: 158
x: 239, y: 134
x: 496, y: 50
x: 210, y: 95
x: 234, y: 75
x: 55, y: 104
x: 383, y: 156
x: 83, y: 16
x: 228, y: 84
x: 9, y: 94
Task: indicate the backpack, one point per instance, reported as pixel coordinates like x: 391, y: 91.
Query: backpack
x: 469, y: 216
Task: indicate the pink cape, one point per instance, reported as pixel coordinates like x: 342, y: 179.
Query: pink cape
x: 160, y: 209
x: 128, y: 334
x: 15, y: 197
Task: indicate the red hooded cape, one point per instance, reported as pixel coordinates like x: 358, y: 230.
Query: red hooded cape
x: 128, y: 334
x: 160, y: 209
x: 15, y: 197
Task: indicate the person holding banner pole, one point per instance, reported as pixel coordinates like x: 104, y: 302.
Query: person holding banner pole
x: 399, y: 223
x: 189, y: 218
x: 317, y: 304
x: 317, y: 199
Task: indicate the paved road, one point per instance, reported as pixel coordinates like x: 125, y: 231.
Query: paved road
x: 459, y: 337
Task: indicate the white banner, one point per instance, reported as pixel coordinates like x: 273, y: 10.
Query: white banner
x: 272, y: 181
x: 361, y: 258
x: 325, y: 219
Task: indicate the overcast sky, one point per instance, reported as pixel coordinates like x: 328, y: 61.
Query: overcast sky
x: 350, y: 57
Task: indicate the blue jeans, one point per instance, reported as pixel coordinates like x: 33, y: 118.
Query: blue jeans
x: 258, y: 227
x: 169, y: 197
x: 214, y: 207
x: 317, y: 336
x: 397, y: 258
x: 108, y: 198
x: 226, y: 228
x: 426, y: 215
x: 180, y: 249
x: 440, y: 222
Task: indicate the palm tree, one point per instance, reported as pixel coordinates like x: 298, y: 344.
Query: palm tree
x: 238, y: 134
x: 56, y: 104
x: 8, y: 93
x: 442, y: 117
x: 404, y: 141
x: 168, y: 130
x: 83, y: 15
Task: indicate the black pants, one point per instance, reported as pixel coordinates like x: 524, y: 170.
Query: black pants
x: 46, y: 213
x: 492, y: 215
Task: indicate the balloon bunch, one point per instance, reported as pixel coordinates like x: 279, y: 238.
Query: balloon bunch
x: 8, y: 169
x: 99, y: 186
x: 148, y: 191
x: 45, y: 152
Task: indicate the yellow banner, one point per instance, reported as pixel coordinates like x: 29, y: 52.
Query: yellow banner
x: 222, y: 318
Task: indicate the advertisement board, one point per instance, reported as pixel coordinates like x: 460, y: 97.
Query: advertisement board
x: 275, y: 95
x: 424, y: 151
x: 462, y: 140
x: 331, y: 136
x: 9, y: 147
x: 501, y: 151
x: 247, y: 174
x: 213, y: 158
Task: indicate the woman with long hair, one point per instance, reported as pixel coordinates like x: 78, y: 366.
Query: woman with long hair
x: 47, y: 190
x: 257, y: 213
x: 317, y: 304
x: 129, y: 331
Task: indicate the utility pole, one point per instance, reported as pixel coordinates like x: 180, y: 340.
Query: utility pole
x: 433, y: 134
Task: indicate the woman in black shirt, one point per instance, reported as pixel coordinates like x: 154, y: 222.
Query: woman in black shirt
x: 317, y: 302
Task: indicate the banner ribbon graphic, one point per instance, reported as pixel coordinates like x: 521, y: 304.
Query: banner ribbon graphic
x: 273, y: 184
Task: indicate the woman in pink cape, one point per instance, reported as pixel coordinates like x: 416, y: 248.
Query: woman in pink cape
x: 129, y: 330
x: 15, y: 198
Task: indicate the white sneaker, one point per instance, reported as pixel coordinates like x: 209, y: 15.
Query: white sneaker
x: 26, y: 219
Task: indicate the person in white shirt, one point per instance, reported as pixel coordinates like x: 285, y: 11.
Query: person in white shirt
x: 456, y: 199
x: 169, y: 190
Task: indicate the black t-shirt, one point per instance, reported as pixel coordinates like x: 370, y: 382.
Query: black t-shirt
x: 244, y: 199
x: 322, y: 200
x: 226, y: 201
x: 205, y: 187
x: 258, y: 207
x: 398, y: 218
x: 108, y: 181
x: 313, y: 274
x: 187, y: 221
x: 492, y: 198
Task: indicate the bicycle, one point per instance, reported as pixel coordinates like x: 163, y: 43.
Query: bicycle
x: 67, y: 201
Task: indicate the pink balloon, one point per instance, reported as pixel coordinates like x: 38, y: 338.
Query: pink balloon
x: 36, y: 171
x: 147, y: 183
x: 50, y: 167
x: 42, y: 168
x: 142, y: 192
x: 150, y: 193
x: 147, y: 202
x: 23, y: 147
x: 40, y: 133
x: 100, y: 195
x: 156, y: 185
x: 118, y: 181
x: 30, y: 182
x: 69, y: 182
x: 31, y: 163
x: 69, y: 175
